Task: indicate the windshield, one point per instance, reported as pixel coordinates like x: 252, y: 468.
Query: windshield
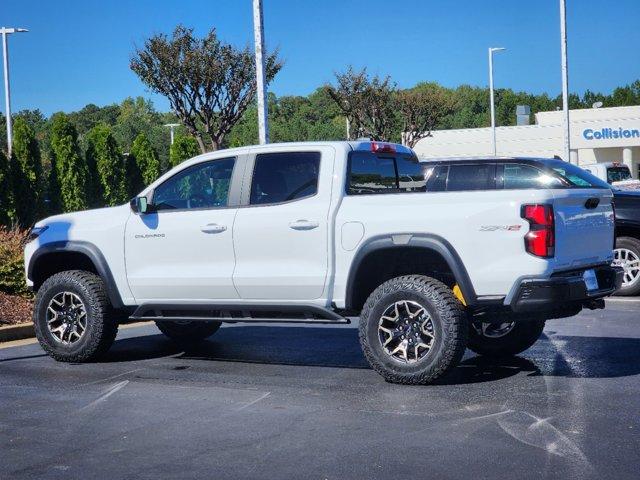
x: 618, y: 174
x: 574, y: 175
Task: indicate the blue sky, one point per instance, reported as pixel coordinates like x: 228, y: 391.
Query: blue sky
x: 78, y: 52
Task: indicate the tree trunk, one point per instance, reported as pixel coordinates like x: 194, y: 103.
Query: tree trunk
x: 203, y: 149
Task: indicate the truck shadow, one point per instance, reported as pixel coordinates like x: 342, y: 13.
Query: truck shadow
x: 560, y: 356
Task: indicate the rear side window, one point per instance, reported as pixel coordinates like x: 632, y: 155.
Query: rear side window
x: 282, y: 177
x: 479, y: 176
x: 372, y: 174
x: 517, y: 176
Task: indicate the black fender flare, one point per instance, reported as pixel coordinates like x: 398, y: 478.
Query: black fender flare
x: 90, y: 251
x: 430, y: 242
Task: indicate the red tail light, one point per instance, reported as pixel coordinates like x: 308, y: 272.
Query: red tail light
x: 378, y: 147
x: 541, y: 239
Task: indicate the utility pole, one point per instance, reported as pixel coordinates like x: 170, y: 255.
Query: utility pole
x: 492, y: 100
x: 258, y: 27
x: 7, y: 91
x: 565, y: 82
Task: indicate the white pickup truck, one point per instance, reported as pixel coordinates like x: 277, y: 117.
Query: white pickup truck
x: 615, y: 173
x: 432, y: 259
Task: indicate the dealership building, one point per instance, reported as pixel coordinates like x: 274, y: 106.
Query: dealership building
x: 597, y: 135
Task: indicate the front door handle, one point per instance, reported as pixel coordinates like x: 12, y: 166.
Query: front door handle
x: 213, y: 228
x: 303, y: 225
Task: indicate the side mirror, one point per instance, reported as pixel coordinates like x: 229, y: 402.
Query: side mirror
x: 140, y: 205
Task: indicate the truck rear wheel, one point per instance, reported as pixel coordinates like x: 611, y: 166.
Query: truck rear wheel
x: 627, y: 256
x: 504, y: 338
x: 187, y: 331
x: 413, y: 330
x: 72, y: 317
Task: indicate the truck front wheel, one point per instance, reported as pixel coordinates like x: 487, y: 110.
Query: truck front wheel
x: 413, y: 330
x: 72, y: 317
x: 188, y: 331
x: 505, y: 337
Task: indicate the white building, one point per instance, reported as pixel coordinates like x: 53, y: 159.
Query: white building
x: 597, y: 135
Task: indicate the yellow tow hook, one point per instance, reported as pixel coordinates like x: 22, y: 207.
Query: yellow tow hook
x: 458, y: 293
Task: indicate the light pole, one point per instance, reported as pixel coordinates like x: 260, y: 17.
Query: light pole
x: 565, y: 81
x: 258, y: 26
x: 492, y: 101
x: 172, y: 126
x: 7, y: 92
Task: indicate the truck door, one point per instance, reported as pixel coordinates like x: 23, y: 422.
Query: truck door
x: 183, y: 249
x: 281, y: 235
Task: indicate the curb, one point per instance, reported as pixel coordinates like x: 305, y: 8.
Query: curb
x: 17, y: 332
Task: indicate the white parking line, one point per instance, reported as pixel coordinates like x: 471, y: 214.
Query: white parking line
x: 624, y: 299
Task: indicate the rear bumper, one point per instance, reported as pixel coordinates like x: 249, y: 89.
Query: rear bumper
x: 564, y: 289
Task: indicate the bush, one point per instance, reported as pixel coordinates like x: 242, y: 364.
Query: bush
x: 71, y: 172
x: 183, y: 148
x: 11, y: 261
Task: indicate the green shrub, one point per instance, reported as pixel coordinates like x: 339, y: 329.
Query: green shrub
x: 26, y: 173
x: 12, y: 279
x: 183, y: 148
x: 146, y: 158
x: 109, y: 164
x: 71, y: 173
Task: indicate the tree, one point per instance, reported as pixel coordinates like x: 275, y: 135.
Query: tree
x: 209, y: 84
x: 183, y: 148
x: 137, y: 115
x: 368, y: 103
x: 103, y: 151
x: 146, y: 158
x: 4, y: 189
x: 71, y: 173
x: 133, y: 176
x: 91, y: 115
x: 421, y: 110
x: 26, y: 173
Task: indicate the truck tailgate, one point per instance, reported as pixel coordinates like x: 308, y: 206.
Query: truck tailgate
x: 585, y: 226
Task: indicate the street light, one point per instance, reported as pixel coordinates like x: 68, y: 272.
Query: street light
x: 493, y: 108
x: 7, y: 92
x: 172, y: 126
x: 261, y: 89
x: 564, y: 66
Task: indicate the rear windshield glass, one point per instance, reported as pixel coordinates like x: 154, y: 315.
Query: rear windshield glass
x: 618, y: 174
x: 370, y: 173
x: 575, y: 176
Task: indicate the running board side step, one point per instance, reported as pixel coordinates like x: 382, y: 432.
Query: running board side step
x: 232, y: 313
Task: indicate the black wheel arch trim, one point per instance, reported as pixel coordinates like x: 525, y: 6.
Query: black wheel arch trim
x: 90, y: 251
x: 431, y: 242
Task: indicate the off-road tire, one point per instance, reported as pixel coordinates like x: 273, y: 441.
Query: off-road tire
x: 632, y: 244
x: 102, y: 326
x: 188, y: 331
x: 449, y: 322
x: 523, y: 335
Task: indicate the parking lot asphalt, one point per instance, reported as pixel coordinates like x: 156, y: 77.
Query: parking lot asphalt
x: 279, y: 402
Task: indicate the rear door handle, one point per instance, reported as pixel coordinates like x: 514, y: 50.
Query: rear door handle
x: 213, y: 228
x: 303, y: 225
x: 592, y: 203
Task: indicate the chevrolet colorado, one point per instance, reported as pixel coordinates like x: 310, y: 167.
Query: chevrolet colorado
x: 433, y: 258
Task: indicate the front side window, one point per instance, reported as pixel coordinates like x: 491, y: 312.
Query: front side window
x: 479, y: 176
x: 205, y: 185
x: 575, y: 176
x: 282, y: 177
